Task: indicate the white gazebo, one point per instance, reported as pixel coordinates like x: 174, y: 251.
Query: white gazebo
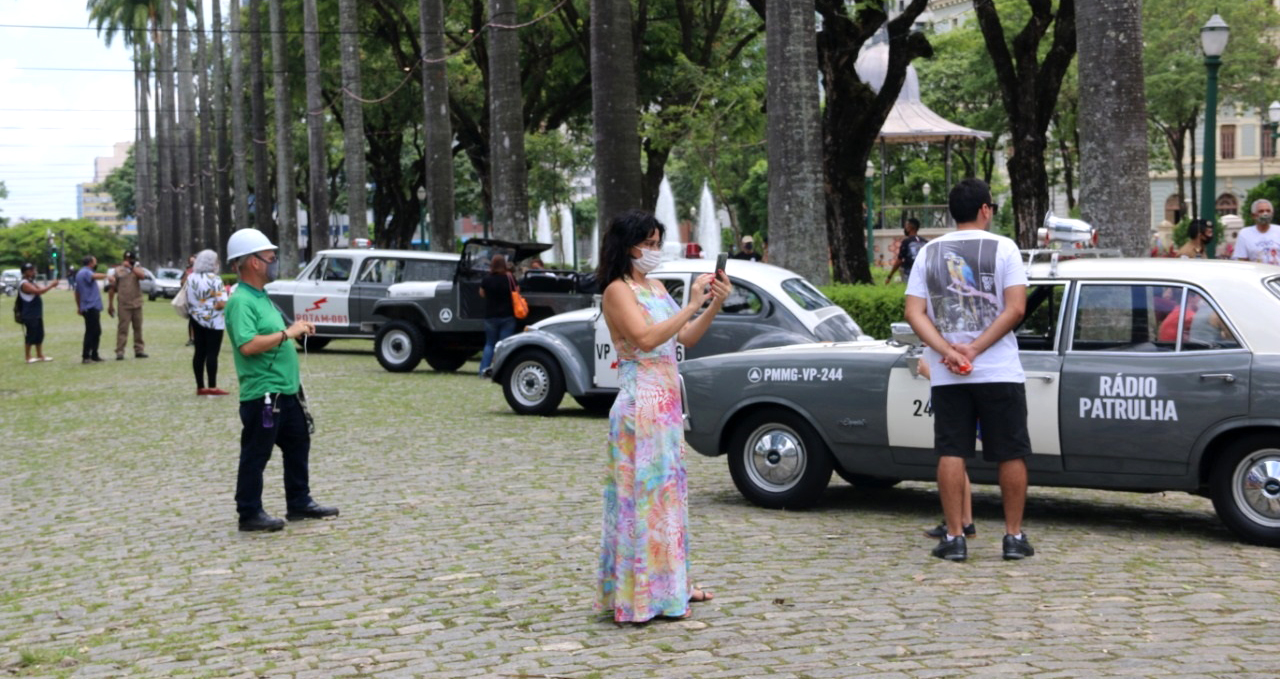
x: 910, y: 121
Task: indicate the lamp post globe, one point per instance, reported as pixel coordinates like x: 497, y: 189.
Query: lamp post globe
x: 1213, y: 40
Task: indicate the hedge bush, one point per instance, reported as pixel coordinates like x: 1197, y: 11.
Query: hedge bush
x: 873, y: 307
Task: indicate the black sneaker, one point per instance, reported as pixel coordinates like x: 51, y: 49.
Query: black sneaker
x: 1017, y: 547
x: 261, y: 521
x: 954, y: 549
x: 940, y: 531
x: 313, y: 510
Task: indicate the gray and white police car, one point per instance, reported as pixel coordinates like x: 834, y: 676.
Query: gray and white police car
x: 1141, y: 375
x: 338, y: 288
x: 770, y: 307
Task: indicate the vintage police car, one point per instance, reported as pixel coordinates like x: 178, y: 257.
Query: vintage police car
x: 338, y: 288
x: 770, y: 307
x: 1141, y: 375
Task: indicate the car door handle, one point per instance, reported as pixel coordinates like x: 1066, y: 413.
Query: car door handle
x: 1225, y: 377
x: 1048, y: 379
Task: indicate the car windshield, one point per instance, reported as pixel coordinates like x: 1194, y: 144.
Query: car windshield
x: 1273, y: 284
x: 838, y: 328
x: 172, y: 274
x: 804, y: 294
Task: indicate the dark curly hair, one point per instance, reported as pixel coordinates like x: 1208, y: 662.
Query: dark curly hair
x: 626, y: 231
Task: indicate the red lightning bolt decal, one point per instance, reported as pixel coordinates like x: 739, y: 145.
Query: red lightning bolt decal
x: 316, y: 307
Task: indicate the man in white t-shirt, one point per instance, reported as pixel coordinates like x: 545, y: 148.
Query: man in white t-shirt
x: 966, y: 294
x: 1259, y: 243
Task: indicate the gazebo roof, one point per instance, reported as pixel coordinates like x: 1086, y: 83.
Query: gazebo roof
x: 910, y: 120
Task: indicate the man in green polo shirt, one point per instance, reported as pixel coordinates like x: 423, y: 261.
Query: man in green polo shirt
x: 267, y: 365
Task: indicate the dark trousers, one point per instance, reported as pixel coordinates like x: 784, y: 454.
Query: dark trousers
x: 256, y: 442
x: 92, y: 333
x: 208, y: 344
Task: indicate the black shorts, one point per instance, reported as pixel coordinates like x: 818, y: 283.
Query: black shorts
x: 35, y: 330
x: 1000, y: 406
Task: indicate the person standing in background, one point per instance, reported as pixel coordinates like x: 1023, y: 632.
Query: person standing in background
x: 499, y: 314
x: 1260, y: 242
x: 206, y: 299
x: 126, y: 281
x: 32, y: 311
x: 748, y: 251
x: 907, y: 248
x: 89, y: 306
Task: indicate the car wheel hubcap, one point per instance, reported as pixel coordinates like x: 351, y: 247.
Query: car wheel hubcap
x: 776, y: 458
x: 1257, y: 487
x: 530, y: 383
x: 396, y: 345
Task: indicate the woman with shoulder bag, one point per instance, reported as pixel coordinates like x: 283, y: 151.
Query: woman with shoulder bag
x: 206, y: 298
x: 499, y: 315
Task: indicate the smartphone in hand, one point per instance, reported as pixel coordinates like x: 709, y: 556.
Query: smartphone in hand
x: 721, y: 260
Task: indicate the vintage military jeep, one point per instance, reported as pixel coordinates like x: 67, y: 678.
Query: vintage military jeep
x: 443, y: 321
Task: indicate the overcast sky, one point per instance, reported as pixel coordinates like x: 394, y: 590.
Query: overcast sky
x: 44, y: 153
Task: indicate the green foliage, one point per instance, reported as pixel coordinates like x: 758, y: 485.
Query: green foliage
x: 873, y: 307
x: 28, y: 242
x: 752, y: 200
x: 1180, y: 233
x: 4, y: 193
x: 1270, y: 190
x: 555, y: 158
x: 120, y: 184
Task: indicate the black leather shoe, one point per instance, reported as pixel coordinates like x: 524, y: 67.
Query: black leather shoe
x: 261, y: 521
x: 955, y: 549
x: 140, y: 354
x: 313, y: 510
x: 1016, y: 548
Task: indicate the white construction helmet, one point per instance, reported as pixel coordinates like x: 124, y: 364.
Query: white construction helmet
x: 246, y: 242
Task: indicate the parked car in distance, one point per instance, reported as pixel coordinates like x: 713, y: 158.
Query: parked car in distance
x: 338, y: 288
x: 9, y: 280
x: 162, y: 283
x: 572, y: 352
x: 1141, y: 375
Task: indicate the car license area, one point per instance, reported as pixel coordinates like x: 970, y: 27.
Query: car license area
x: 795, y: 375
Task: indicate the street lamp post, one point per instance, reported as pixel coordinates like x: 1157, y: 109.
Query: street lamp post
x: 422, y: 218
x: 1213, y: 39
x: 870, y: 194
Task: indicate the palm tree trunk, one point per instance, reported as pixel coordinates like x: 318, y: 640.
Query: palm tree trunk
x: 207, y: 167
x: 613, y: 110
x: 317, y: 153
x: 438, y: 144
x: 353, y: 114
x: 286, y: 198
x: 239, y: 141
x: 796, y: 206
x: 189, y: 190
x: 506, y: 125
x: 262, y: 202
x: 1113, y: 156
x: 143, y: 210
x: 222, y: 165
x: 165, y: 136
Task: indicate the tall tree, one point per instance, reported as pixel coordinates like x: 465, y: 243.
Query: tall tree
x: 506, y: 125
x: 166, y: 136
x: 353, y: 112
x: 437, y: 148
x: 286, y: 198
x: 1029, y: 86
x: 796, y: 206
x: 317, y: 146
x: 189, y: 217
x: 1113, y: 156
x: 239, y: 138
x: 262, y: 200
x: 206, y: 168
x: 614, y: 110
x: 222, y: 165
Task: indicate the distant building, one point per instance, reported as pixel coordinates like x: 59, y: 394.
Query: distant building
x: 95, y: 204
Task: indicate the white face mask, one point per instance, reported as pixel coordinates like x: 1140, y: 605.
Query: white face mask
x: 648, y: 260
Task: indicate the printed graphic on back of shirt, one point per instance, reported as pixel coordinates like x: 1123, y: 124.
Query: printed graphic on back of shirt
x: 963, y: 288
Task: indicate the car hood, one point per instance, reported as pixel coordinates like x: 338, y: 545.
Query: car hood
x: 576, y: 316
x: 793, y: 350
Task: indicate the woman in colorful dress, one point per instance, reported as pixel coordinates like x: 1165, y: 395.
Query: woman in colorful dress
x: 644, y: 559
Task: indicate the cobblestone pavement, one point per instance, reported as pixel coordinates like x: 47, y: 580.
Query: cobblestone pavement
x: 467, y: 545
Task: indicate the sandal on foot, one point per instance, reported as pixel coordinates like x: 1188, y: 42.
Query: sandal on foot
x: 700, y: 595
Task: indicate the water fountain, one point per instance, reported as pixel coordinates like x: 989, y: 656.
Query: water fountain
x: 544, y: 233
x: 708, y: 225
x: 568, y: 241
x: 665, y: 212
